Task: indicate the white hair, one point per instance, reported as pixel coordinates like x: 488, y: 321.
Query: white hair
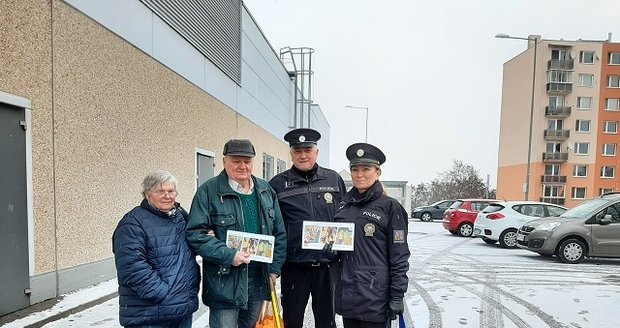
x: 156, y: 179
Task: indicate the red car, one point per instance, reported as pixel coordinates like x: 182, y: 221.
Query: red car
x: 460, y: 217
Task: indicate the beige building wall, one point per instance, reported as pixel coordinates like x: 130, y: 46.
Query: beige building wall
x: 104, y: 115
x: 514, y: 127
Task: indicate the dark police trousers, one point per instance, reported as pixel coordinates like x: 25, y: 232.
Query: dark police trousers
x: 299, y: 281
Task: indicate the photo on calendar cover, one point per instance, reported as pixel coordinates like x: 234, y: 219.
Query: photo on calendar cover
x: 259, y: 246
x: 316, y: 234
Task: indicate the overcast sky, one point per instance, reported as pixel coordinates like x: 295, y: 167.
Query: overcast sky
x: 430, y: 71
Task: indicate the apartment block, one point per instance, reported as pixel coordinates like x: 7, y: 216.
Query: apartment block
x: 559, y: 120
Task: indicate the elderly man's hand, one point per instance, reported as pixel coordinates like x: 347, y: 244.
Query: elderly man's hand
x: 241, y: 258
x: 273, y: 277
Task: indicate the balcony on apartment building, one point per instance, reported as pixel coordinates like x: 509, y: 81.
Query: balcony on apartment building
x: 553, y: 200
x: 559, y: 87
x: 553, y: 179
x: 561, y: 64
x: 556, y: 135
x: 557, y: 111
x: 556, y: 157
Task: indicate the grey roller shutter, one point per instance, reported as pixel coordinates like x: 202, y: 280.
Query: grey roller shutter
x: 213, y: 27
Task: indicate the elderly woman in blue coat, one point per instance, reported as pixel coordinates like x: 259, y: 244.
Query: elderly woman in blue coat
x: 158, y: 277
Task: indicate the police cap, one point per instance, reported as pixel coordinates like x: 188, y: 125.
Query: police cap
x: 364, y: 154
x: 239, y: 147
x: 302, y: 138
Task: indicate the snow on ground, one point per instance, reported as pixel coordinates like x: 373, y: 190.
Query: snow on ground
x: 70, y: 301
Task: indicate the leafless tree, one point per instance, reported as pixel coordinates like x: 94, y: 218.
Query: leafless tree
x: 461, y: 181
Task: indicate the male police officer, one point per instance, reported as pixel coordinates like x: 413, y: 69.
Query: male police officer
x: 233, y: 286
x: 306, y: 192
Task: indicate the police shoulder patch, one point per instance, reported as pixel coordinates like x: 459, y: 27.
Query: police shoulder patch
x: 399, y: 236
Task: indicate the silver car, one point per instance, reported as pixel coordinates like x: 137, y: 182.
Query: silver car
x: 432, y: 211
x: 590, y: 229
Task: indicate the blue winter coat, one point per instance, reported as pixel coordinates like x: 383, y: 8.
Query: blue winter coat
x: 158, y: 277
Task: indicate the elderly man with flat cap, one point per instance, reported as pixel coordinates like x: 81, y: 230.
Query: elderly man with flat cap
x: 233, y: 286
x: 307, y: 192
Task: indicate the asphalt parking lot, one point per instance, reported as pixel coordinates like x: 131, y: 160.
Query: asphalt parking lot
x: 463, y: 282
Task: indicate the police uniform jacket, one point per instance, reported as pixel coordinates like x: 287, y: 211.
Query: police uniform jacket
x: 313, y: 198
x: 216, y: 206
x: 377, y: 268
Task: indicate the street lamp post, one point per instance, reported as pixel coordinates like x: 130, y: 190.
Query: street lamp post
x: 366, y: 109
x: 529, y: 141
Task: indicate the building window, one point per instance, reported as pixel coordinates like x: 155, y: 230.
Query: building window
x: 584, y: 102
x: 614, y: 58
x: 609, y: 149
x: 559, y: 54
x: 607, y: 172
x: 580, y: 171
x: 267, y: 167
x: 553, y: 147
x: 610, y: 127
x: 582, y: 125
x: 553, y: 191
x: 555, y: 124
x: 552, y: 169
x: 560, y: 76
x: 586, y: 57
x: 556, y: 101
x: 281, y: 166
x: 578, y: 193
x: 603, y: 191
x: 613, y: 81
x: 582, y: 148
x: 612, y: 104
x: 586, y: 80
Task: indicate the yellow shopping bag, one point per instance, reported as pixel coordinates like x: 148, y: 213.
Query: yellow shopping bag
x: 269, y: 316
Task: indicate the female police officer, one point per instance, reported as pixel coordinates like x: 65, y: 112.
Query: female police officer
x: 373, y: 281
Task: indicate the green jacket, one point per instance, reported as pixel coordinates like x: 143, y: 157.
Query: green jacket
x: 216, y: 206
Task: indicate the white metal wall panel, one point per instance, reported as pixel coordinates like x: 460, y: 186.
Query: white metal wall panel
x: 265, y: 79
x: 129, y: 19
x: 220, y: 85
x: 176, y: 53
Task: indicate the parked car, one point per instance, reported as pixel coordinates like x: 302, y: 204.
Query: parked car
x: 433, y: 211
x: 459, y: 218
x: 500, y: 221
x: 590, y: 229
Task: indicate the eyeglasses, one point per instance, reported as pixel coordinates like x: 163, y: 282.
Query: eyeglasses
x: 163, y: 193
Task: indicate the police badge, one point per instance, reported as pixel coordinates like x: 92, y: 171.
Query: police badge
x: 369, y: 230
